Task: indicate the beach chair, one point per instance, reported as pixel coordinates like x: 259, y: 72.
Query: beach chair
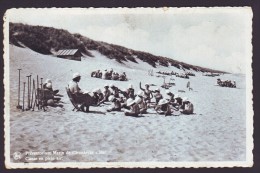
x: 79, y: 106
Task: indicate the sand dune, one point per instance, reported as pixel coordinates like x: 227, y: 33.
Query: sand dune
x: 217, y: 131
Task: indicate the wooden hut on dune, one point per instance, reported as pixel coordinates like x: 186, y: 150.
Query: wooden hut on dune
x: 72, y: 54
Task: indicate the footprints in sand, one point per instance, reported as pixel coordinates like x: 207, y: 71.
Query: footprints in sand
x: 153, y: 138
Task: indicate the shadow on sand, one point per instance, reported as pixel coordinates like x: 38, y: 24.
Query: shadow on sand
x: 96, y: 112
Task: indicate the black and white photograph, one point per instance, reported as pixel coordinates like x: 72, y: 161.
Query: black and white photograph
x: 128, y: 87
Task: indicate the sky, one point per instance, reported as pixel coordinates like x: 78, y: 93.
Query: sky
x: 218, y: 38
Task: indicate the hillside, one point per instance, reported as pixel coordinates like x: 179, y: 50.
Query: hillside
x: 48, y: 40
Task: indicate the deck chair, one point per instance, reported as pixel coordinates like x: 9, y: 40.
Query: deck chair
x: 78, y: 106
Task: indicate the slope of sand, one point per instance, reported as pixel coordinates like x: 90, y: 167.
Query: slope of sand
x: 215, y: 133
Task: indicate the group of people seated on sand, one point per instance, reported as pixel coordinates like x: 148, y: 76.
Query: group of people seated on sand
x: 181, y: 75
x: 166, y: 73
x: 211, y: 74
x: 109, y: 75
x: 189, y: 73
x: 133, y: 103
x: 226, y: 83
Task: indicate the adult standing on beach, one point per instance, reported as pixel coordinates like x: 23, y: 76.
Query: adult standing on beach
x: 188, y: 85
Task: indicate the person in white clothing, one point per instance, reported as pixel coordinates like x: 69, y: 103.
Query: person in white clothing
x: 80, y: 96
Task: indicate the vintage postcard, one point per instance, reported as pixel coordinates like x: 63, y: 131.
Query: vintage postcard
x: 122, y: 87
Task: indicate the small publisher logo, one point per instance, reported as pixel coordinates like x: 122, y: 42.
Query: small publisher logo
x: 17, y: 156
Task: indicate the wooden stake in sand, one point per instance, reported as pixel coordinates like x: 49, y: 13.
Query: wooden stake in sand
x: 33, y: 88
x: 18, y: 104
x: 30, y: 77
x: 42, y: 96
x: 28, y: 93
x: 23, y: 94
x: 37, y: 92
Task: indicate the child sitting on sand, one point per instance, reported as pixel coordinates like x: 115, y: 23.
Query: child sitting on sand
x: 48, y: 97
x: 187, y: 106
x: 170, y: 97
x: 134, y: 108
x: 117, y: 104
x: 48, y: 81
x: 147, y: 93
x: 158, y: 96
x: 141, y: 102
x: 163, y: 108
x: 172, y: 101
x: 115, y: 91
x: 106, y: 93
x: 130, y: 91
x: 97, y: 96
x: 178, y: 101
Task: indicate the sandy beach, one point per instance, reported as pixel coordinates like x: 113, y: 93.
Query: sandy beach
x: 216, y: 132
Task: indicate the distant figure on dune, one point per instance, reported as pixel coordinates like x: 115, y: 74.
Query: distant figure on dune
x: 150, y: 72
x: 122, y: 77
x: 187, y: 106
x: 188, y: 85
x: 115, y: 76
x: 81, y: 96
x: 134, y: 108
x: 107, y: 75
